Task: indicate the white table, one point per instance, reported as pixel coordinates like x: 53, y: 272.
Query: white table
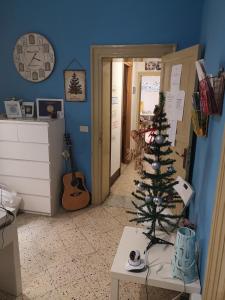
x: 132, y: 239
x: 10, y: 275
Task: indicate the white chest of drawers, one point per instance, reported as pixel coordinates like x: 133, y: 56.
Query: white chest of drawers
x: 31, y: 162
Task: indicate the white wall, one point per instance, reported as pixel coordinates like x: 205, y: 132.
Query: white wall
x: 149, y: 93
x: 117, y: 99
x: 138, y: 66
x: 116, y: 116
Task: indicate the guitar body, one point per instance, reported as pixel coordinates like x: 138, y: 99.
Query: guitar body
x: 75, y: 195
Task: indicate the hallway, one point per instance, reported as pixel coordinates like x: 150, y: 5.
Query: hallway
x: 120, y: 194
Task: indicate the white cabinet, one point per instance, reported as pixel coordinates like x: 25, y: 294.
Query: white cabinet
x: 31, y: 162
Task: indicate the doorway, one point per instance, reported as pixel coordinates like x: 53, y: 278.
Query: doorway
x: 121, y: 85
x: 182, y: 149
x: 135, y: 85
x: 126, y: 112
x: 100, y: 108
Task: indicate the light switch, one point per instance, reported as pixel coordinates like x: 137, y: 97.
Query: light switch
x: 83, y: 128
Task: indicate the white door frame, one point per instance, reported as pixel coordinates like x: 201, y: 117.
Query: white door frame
x: 97, y: 109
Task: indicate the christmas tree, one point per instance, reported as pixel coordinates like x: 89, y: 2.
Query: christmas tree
x: 74, y: 85
x: 156, y: 193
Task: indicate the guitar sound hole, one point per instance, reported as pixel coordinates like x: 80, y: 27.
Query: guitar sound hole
x: 77, y: 182
x: 76, y: 194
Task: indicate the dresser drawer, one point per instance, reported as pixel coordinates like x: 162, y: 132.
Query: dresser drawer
x: 36, y: 204
x: 27, y: 185
x: 25, y: 151
x: 24, y: 168
x: 8, y: 132
x: 31, y: 133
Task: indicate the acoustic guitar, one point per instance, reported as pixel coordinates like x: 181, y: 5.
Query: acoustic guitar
x: 75, y: 195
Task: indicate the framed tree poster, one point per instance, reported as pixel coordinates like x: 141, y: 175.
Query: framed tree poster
x: 75, y: 85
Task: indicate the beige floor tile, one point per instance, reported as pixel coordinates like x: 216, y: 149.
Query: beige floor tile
x: 32, y: 265
x: 101, y: 290
x: 52, y: 242
x: 83, y: 220
x: 76, y: 243
x: 129, y: 291
x: 62, y: 274
x: 38, y: 285
x: 61, y: 225
x: 115, y: 211
x: 28, y: 252
x: 89, y: 264
x: 125, y: 218
x: 69, y: 256
x: 102, y: 241
x: 51, y: 295
x: 50, y: 258
x: 98, y: 212
x: 107, y: 225
x: 78, y: 290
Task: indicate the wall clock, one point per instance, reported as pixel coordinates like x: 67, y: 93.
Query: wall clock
x: 34, y: 57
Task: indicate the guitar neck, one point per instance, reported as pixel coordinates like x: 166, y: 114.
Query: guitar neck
x: 72, y: 163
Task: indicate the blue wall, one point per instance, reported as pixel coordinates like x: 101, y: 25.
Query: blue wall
x: 208, y: 149
x: 72, y: 26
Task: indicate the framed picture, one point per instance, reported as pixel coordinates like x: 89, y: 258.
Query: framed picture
x: 28, y: 108
x: 50, y: 108
x: 153, y: 65
x: 13, y: 109
x: 75, y: 85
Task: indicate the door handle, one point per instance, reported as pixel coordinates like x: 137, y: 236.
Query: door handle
x: 184, y: 155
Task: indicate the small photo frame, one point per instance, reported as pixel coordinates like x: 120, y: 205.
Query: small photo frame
x: 13, y: 109
x: 75, y: 85
x: 152, y: 65
x: 50, y: 108
x: 28, y: 108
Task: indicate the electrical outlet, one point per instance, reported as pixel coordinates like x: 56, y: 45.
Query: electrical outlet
x: 83, y: 128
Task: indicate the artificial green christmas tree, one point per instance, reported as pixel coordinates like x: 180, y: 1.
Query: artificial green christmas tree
x: 74, y: 85
x: 156, y: 193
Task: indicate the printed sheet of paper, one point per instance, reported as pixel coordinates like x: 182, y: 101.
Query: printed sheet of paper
x: 180, y: 95
x: 175, y: 77
x: 174, y: 105
x: 172, y: 131
x: 170, y: 106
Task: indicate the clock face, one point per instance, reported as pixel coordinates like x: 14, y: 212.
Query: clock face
x: 34, y: 57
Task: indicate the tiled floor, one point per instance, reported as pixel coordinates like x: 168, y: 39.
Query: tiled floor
x: 69, y: 256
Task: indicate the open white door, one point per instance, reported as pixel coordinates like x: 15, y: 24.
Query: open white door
x: 184, y: 134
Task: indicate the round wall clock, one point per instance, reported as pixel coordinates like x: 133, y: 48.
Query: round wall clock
x: 34, y: 57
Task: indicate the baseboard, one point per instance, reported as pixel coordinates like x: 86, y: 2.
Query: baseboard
x: 115, y: 176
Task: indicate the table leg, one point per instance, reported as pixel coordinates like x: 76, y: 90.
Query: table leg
x: 114, y: 289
